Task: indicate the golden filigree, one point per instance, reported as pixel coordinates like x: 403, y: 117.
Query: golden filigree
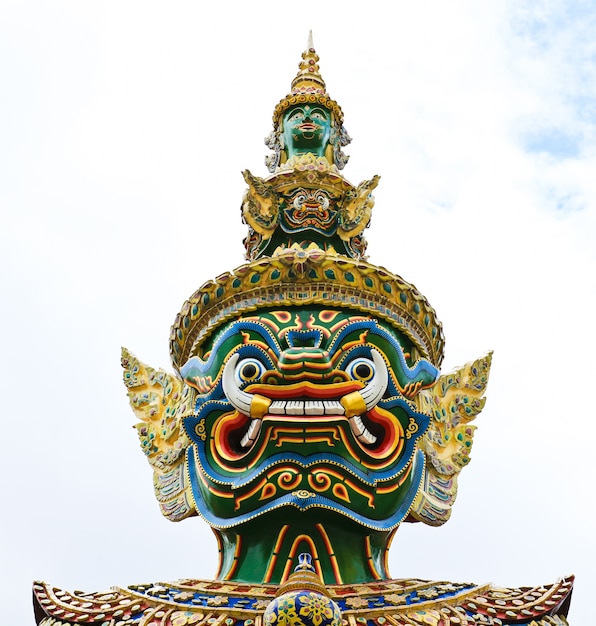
x: 354, y: 215
x: 452, y: 403
x: 260, y: 208
x: 324, y: 279
x: 160, y: 400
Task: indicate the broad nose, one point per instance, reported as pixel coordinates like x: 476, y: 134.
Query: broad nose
x: 305, y: 363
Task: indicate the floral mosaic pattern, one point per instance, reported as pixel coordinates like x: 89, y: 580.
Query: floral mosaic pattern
x: 387, y: 603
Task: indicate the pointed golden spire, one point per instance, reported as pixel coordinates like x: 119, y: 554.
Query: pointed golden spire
x: 308, y: 86
x: 309, y: 79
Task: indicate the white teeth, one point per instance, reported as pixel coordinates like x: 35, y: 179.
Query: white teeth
x: 294, y: 407
x: 306, y: 407
x: 299, y: 407
x: 277, y: 407
x: 322, y: 407
x: 360, y: 431
x: 243, y: 402
x: 313, y: 407
x: 333, y: 407
x: 251, y: 434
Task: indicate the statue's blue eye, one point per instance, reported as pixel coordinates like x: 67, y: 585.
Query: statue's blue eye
x: 361, y: 369
x: 248, y: 371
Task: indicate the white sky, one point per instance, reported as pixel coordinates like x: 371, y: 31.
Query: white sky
x: 124, y: 128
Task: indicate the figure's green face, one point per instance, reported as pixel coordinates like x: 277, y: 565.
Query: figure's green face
x: 306, y: 128
x: 306, y: 408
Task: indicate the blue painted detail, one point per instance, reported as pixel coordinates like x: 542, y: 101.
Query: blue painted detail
x: 192, y: 421
x: 195, y: 366
x: 248, y: 602
x: 423, y: 371
x: 310, y: 502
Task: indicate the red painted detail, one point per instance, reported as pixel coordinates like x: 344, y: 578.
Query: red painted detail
x: 391, y: 426
x: 306, y: 389
x: 224, y: 427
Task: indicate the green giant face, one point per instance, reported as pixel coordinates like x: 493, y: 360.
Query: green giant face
x: 306, y: 128
x: 306, y: 408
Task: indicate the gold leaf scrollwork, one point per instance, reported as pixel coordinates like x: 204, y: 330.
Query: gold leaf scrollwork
x: 200, y: 430
x: 303, y: 494
x: 412, y: 428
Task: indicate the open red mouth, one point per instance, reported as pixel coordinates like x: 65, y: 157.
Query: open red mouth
x: 350, y: 408
x: 307, y: 409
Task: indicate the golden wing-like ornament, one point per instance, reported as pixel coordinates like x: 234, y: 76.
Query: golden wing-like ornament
x: 260, y: 205
x: 355, y: 213
x: 160, y: 400
x: 452, y: 403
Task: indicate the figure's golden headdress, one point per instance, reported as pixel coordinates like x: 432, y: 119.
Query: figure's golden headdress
x: 319, y: 265
x: 308, y: 86
x: 302, y: 278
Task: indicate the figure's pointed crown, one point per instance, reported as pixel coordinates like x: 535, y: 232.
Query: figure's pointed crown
x: 308, y: 86
x: 309, y: 79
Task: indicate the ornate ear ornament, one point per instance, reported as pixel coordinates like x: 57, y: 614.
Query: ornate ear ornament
x: 339, y: 139
x: 273, y: 142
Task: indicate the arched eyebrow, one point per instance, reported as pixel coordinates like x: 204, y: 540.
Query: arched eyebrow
x: 320, y: 110
x: 294, y: 112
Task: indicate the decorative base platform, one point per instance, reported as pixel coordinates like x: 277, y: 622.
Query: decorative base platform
x: 383, y: 603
